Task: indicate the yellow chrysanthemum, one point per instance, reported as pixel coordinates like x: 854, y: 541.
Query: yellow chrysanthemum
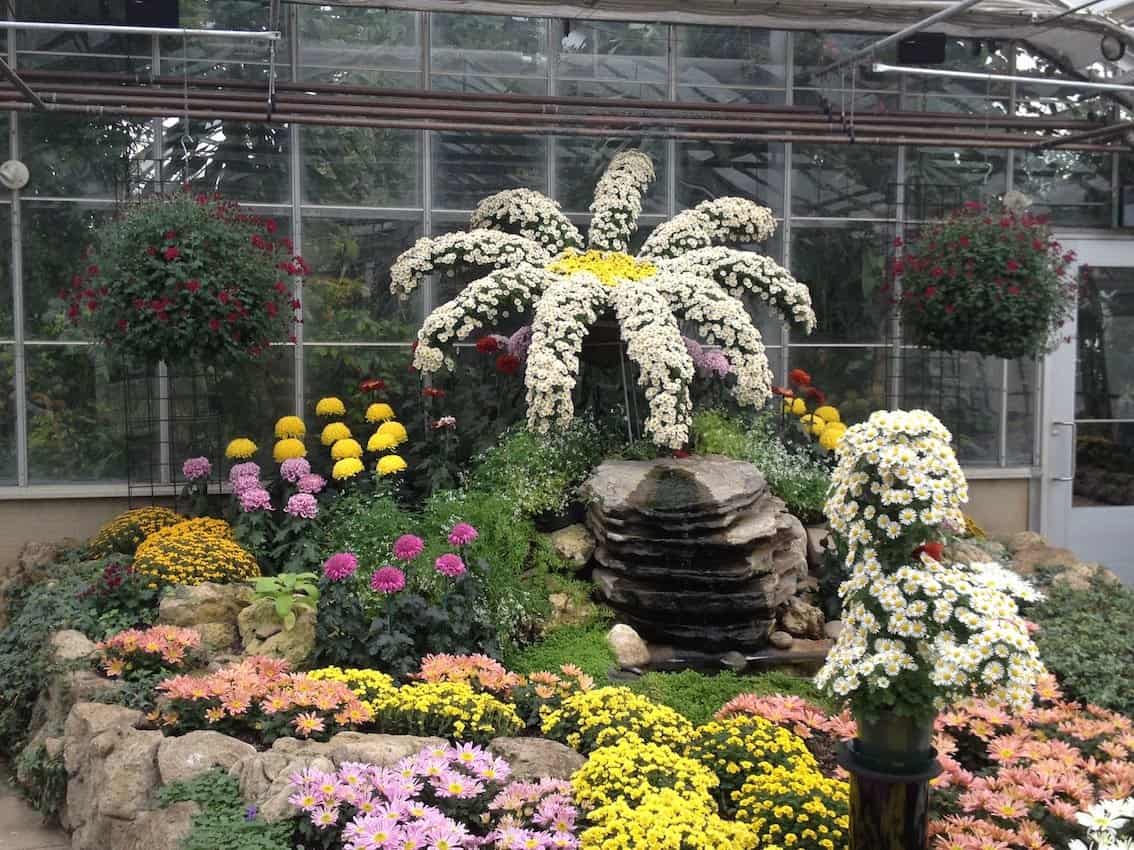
x: 346, y: 468
x: 288, y: 448
x: 330, y: 406
x: 828, y: 413
x: 240, y: 449
x: 391, y: 464
x: 290, y: 426
x: 813, y: 424
x: 610, y: 267
x: 334, y: 432
x: 795, y: 406
x: 379, y: 412
x: 830, y: 438
x: 343, y: 449
x: 380, y: 442
x: 394, y: 429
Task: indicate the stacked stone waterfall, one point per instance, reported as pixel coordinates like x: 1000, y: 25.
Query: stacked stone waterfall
x: 694, y: 552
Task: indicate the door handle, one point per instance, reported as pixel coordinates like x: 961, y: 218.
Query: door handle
x: 1074, y: 426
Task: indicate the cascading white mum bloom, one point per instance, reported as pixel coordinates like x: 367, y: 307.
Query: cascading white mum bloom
x: 918, y: 632
x: 532, y: 258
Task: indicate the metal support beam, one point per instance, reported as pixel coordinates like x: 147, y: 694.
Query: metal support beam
x: 1087, y: 85
x: 912, y: 29
x: 10, y: 72
x: 34, y: 26
x: 1089, y: 135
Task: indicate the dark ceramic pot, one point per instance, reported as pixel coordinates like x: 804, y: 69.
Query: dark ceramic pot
x: 892, y: 743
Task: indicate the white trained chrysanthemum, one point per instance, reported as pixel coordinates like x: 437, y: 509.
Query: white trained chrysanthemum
x: 531, y: 256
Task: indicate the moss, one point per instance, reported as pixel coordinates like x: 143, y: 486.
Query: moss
x: 583, y: 646
x: 699, y: 696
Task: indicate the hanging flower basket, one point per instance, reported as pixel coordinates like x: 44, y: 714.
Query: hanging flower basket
x: 989, y: 280
x: 186, y: 279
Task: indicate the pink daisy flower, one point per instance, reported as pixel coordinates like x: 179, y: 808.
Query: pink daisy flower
x: 462, y: 534
x: 408, y: 546
x: 387, y: 580
x: 450, y: 565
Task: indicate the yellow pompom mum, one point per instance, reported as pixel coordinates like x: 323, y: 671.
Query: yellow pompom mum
x: 194, y: 551
x: 831, y: 437
x: 379, y: 412
x: 394, y: 429
x: 288, y: 448
x: 290, y: 426
x: 827, y: 413
x: 343, y: 449
x: 813, y: 424
x: 380, y: 442
x: 240, y: 449
x: 610, y: 267
x: 126, y: 531
x: 346, y: 468
x: 795, y: 406
x: 330, y: 406
x: 334, y: 432
x: 391, y: 464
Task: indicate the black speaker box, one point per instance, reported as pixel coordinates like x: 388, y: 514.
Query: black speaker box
x: 152, y: 13
x: 923, y: 48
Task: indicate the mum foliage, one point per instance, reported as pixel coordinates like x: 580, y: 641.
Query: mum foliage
x: 532, y: 258
x: 989, y: 280
x: 182, y: 278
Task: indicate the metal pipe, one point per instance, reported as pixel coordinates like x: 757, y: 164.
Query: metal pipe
x: 9, y: 72
x: 38, y: 26
x: 882, y: 68
x: 1112, y: 130
x: 912, y: 29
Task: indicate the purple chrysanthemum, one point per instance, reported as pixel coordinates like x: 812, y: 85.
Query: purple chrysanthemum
x: 196, y: 468
x: 520, y: 342
x: 302, y: 505
x: 312, y: 483
x: 243, y: 483
x: 408, y: 546
x: 387, y: 580
x: 341, y: 565
x: 717, y: 364
x: 295, y: 468
x: 462, y: 534
x: 450, y: 565
x: 255, y: 499
x: 243, y: 470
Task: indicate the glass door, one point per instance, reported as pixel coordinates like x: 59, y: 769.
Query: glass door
x: 1089, y: 458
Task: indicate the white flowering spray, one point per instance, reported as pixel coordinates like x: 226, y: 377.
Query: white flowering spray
x: 531, y: 257
x: 918, y: 634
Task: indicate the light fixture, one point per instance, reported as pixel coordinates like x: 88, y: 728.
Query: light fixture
x: 883, y: 68
x: 1112, y: 47
x: 14, y: 174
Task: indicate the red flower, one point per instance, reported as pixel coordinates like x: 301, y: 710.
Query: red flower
x: 938, y: 271
x: 783, y: 391
x: 223, y: 296
x: 487, y: 345
x: 92, y: 271
x: 950, y: 308
x: 1013, y: 290
x: 974, y: 206
x: 270, y: 225
x: 372, y: 385
x: 280, y: 287
x: 934, y: 549
x: 433, y: 392
x: 171, y: 253
x: 273, y: 308
x: 898, y: 243
x: 508, y: 364
x: 930, y: 291
x: 170, y: 235
x: 152, y: 251
x: 123, y: 325
x: 816, y: 395
x: 193, y: 285
x: 964, y: 242
x: 799, y: 378
x: 1013, y: 266
x: 214, y: 324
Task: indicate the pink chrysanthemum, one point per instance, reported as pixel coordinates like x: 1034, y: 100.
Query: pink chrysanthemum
x: 408, y: 546
x: 242, y: 470
x: 196, y: 468
x: 255, y: 499
x: 243, y: 483
x: 387, y: 580
x: 302, y: 505
x: 341, y: 565
x: 312, y: 483
x: 294, y: 468
x: 462, y: 534
x: 450, y: 565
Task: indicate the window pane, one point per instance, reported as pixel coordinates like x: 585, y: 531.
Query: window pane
x: 54, y: 237
x: 853, y: 379
x: 963, y: 96
x: 1023, y: 400
x: 6, y: 329
x: 1104, y: 465
x: 843, y: 180
x: 963, y: 390
x: 580, y: 162
x: 358, y: 166
x: 229, y: 58
x: 378, y: 47
x: 612, y: 59
x: 69, y: 156
x: 844, y: 268
x: 467, y: 167
x: 75, y: 415
x: 727, y: 64
x: 1073, y: 187
x: 337, y: 371
x: 78, y: 52
x: 1104, y: 380
x: 470, y: 46
x: 243, y: 161
x: 7, y: 416
x: 347, y: 296
x: 816, y: 50
x: 939, y: 180
x: 707, y: 170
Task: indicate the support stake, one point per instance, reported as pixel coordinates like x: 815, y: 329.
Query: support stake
x: 888, y: 811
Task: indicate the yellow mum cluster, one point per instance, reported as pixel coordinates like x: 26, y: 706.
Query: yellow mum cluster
x: 124, y: 532
x: 592, y: 719
x: 195, y: 551
x: 367, y: 685
x: 240, y: 449
x: 797, y: 809
x: 610, y: 267
x: 633, y: 770
x: 824, y: 423
x: 666, y: 820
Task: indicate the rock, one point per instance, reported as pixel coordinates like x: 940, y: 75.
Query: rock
x: 1081, y: 575
x: 629, y: 649
x: 35, y: 556
x: 802, y: 619
x: 381, y: 750
x: 818, y: 541
x: 275, y: 806
x: 69, y: 646
x: 263, y: 776
x: 566, y: 610
x: 968, y: 552
x: 574, y: 544
x: 833, y: 629
x: 1024, y: 540
x: 693, y: 551
x: 194, y: 605
x: 158, y: 828
x: 31, y: 566
x: 781, y: 640
x: 216, y: 637
x: 735, y: 661
x: 64, y: 690
x: 263, y: 634
x: 532, y: 758
x: 195, y: 753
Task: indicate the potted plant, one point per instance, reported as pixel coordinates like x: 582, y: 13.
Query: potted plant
x: 989, y: 280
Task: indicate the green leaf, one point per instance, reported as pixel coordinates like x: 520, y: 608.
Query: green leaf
x: 283, y: 605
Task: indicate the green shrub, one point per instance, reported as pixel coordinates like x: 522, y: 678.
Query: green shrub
x: 699, y: 696
x: 224, y: 823
x: 1084, y: 639
x: 583, y: 646
x: 43, y: 781
x: 793, y: 474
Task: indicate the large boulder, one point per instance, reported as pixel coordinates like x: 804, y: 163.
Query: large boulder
x: 212, y: 609
x: 190, y: 755
x: 694, y: 552
x: 262, y: 633
x: 802, y: 619
x: 381, y: 750
x: 630, y: 651
x: 532, y: 758
x: 70, y: 646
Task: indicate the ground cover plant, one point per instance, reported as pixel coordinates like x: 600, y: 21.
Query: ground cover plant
x: 225, y: 822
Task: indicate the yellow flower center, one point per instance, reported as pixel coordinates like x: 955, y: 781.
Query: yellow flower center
x: 610, y: 267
